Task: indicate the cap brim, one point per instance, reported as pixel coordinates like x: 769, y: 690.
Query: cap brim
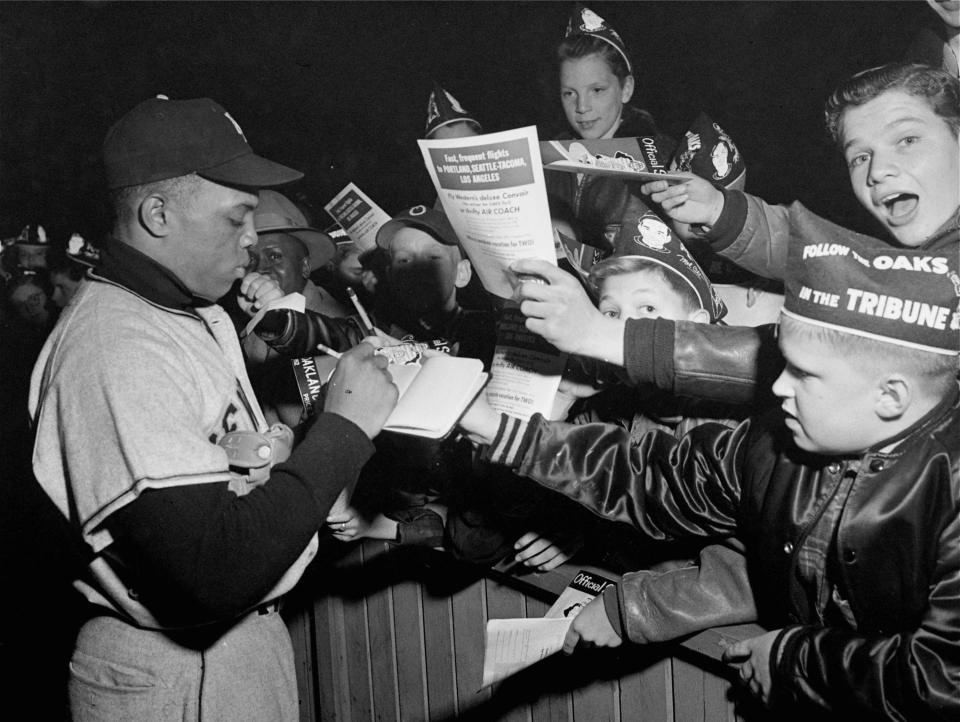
x: 251, y: 171
x: 320, y: 246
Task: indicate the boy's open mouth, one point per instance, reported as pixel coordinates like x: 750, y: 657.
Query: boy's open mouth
x: 900, y: 205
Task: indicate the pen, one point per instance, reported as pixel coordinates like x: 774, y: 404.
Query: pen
x: 329, y: 351
x: 364, y: 318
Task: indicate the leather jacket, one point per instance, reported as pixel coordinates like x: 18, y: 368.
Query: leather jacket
x: 896, y: 555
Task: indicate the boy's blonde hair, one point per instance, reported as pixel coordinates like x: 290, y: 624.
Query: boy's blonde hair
x: 622, y: 265
x: 936, y: 372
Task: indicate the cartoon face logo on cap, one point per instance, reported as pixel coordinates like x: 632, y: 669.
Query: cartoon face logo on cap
x: 75, y: 244
x: 591, y: 22
x: 417, y: 210
x: 654, y: 233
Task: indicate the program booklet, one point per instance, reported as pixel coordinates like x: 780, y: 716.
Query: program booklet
x: 514, y: 644
x: 632, y: 159
x: 434, y: 391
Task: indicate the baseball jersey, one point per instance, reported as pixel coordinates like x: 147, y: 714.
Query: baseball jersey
x: 126, y: 396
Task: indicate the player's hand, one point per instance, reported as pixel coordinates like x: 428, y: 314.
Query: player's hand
x: 256, y: 291
x: 542, y: 553
x: 591, y: 627
x: 694, y: 201
x: 361, y: 389
x: 480, y: 422
x: 752, y: 658
x: 561, y: 312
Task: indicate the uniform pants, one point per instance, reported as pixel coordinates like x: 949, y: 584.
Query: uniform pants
x: 120, y: 672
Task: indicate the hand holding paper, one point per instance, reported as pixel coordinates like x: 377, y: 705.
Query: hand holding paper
x: 561, y: 312
x: 591, y: 626
x: 696, y: 201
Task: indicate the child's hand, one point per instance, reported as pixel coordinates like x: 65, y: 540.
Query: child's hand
x: 592, y: 627
x: 561, y: 312
x: 256, y: 291
x: 480, y: 422
x: 752, y: 656
x: 543, y: 554
x: 696, y: 201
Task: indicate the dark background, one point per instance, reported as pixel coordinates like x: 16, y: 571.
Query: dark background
x: 339, y: 90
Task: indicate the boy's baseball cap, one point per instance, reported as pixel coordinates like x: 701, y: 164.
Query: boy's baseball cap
x: 278, y: 214
x: 583, y: 21
x: 428, y: 219
x: 656, y: 242
x: 905, y: 296
x: 696, y: 152
x: 162, y: 138
x: 443, y: 109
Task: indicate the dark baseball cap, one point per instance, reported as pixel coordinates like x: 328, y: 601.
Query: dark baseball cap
x: 427, y: 219
x: 162, y: 138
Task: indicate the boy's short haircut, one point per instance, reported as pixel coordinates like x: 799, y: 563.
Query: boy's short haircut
x: 622, y: 265
x: 876, y: 357
x: 938, y: 87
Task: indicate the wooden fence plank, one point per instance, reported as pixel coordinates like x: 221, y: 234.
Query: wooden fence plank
x: 356, y: 642
x: 411, y: 665
x: 687, y: 692
x: 382, y: 649
x: 468, y: 607
x: 648, y: 691
x: 438, y: 650
x: 299, y: 622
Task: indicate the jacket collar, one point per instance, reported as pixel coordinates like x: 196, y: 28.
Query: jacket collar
x: 125, y: 266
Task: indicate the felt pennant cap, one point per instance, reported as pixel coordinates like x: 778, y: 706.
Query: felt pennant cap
x: 583, y: 21
x: 443, y: 109
x: 904, y: 296
x: 710, y: 153
x: 655, y: 242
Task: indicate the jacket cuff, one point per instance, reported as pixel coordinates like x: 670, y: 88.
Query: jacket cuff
x: 611, y: 603
x: 731, y: 221
x: 510, y: 442
x: 783, y: 654
x: 648, y: 350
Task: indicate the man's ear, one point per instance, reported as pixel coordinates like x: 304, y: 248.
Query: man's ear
x: 153, y: 214
x: 464, y: 273
x: 895, y: 397
x: 305, y: 267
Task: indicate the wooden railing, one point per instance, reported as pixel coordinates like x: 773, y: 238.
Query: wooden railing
x: 395, y: 633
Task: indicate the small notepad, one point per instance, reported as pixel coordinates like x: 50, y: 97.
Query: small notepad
x: 434, y: 394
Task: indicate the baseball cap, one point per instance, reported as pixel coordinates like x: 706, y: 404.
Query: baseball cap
x: 904, y: 296
x: 162, y: 138
x: 656, y: 242
x: 277, y: 214
x: 443, y: 109
x: 583, y: 21
x: 32, y: 235
x: 428, y: 219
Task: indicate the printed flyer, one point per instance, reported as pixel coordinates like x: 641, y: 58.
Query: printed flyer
x: 492, y: 190
x: 359, y: 216
x: 525, y: 371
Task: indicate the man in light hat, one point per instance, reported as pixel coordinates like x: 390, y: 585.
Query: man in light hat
x: 151, y: 442
x: 287, y: 251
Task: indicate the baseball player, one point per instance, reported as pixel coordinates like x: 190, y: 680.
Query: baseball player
x: 152, y: 443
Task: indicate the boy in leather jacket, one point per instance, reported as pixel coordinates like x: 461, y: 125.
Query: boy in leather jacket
x: 916, y: 203
x: 847, y: 496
